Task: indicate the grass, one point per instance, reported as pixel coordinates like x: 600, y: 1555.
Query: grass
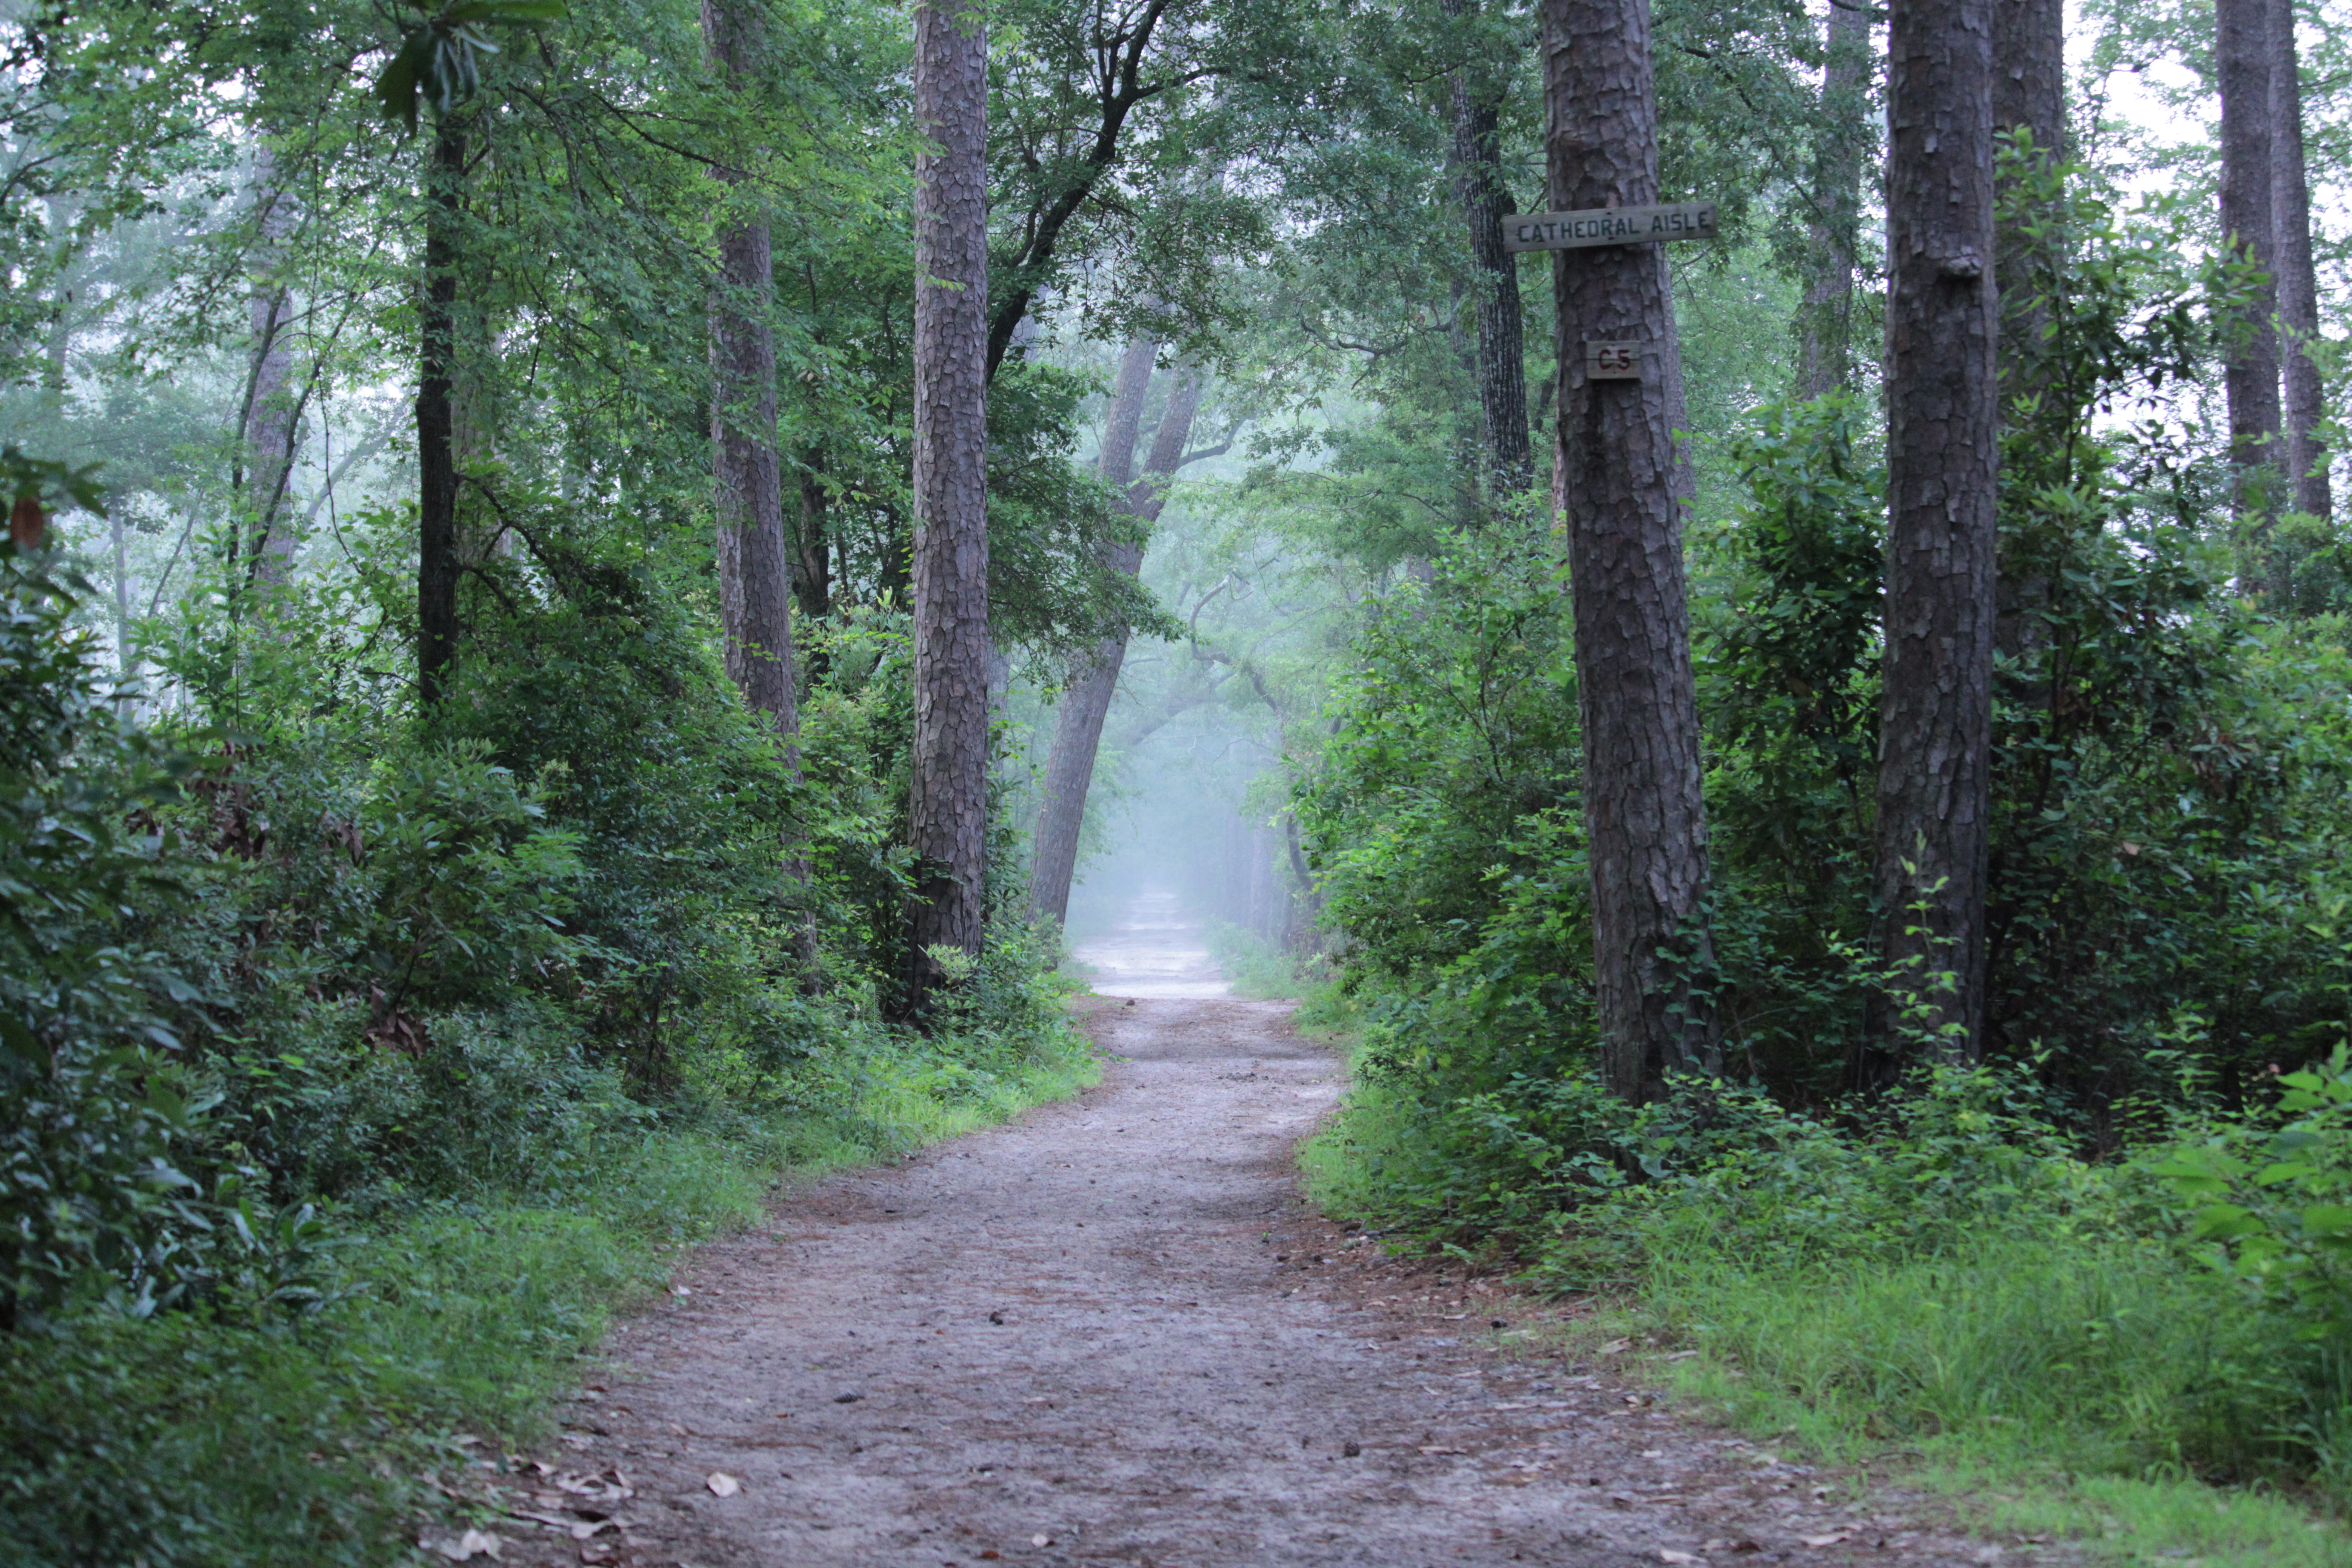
x: 187, y: 1442
x: 2059, y: 1381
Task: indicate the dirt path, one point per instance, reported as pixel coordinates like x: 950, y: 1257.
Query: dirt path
x: 1109, y: 1333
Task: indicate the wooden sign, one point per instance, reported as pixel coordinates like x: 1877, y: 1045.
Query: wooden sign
x: 1612, y: 362
x: 1609, y: 226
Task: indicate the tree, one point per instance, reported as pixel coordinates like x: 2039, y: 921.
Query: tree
x: 2250, y: 368
x: 1079, y: 720
x: 1825, y: 320
x: 948, y: 812
x: 1645, y: 824
x: 271, y: 422
x: 2308, y: 487
x: 437, y: 456
x: 755, y: 592
x: 1478, y: 165
x: 1936, y: 707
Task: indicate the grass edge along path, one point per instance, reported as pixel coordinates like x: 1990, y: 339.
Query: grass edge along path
x: 185, y: 1441
x: 1801, y: 1363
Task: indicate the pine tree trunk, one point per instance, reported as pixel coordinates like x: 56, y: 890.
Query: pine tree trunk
x: 949, y: 806
x: 1825, y: 320
x: 2029, y: 51
x: 812, y: 579
x: 1502, y: 368
x: 269, y: 431
x: 755, y: 577
x: 1078, y: 722
x: 1936, y: 713
x: 1645, y: 824
x: 436, y: 458
x: 2250, y: 367
x: 2309, y: 490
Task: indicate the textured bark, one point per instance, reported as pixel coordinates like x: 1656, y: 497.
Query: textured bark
x: 2304, y: 405
x: 2029, y: 51
x: 1502, y: 368
x: 755, y: 577
x: 436, y: 457
x: 1942, y: 398
x: 2241, y: 61
x: 1825, y: 323
x: 949, y: 806
x: 1645, y: 821
x: 1078, y: 721
x: 270, y: 417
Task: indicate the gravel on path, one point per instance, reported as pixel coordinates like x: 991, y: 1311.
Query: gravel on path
x: 1111, y: 1332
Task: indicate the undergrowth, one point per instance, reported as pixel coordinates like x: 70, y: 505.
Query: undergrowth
x: 2146, y: 1353
x: 205, y: 1440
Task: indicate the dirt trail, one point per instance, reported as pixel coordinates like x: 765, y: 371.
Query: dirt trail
x: 1109, y: 1333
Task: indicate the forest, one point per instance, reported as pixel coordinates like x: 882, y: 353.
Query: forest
x: 601, y: 592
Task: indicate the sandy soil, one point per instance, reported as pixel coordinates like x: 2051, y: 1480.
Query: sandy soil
x: 1112, y: 1332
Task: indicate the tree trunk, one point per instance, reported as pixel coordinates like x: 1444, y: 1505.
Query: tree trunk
x: 755, y: 577
x: 436, y: 462
x: 812, y: 579
x: 1825, y: 320
x: 949, y: 808
x: 2309, y: 490
x: 1645, y: 824
x: 2029, y: 51
x: 1495, y: 282
x: 1936, y: 713
x: 1078, y: 723
x: 2250, y: 367
x: 270, y: 417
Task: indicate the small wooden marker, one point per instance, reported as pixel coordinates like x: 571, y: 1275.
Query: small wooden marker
x: 1612, y: 362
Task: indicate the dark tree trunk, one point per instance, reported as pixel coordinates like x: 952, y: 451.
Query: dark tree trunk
x: 2250, y: 368
x: 1942, y: 399
x: 1077, y: 726
x: 2029, y: 51
x: 949, y: 806
x: 1644, y: 822
x: 812, y: 579
x: 2309, y: 490
x: 271, y: 419
x: 1825, y: 323
x: 436, y: 456
x: 755, y: 578
x: 1502, y: 368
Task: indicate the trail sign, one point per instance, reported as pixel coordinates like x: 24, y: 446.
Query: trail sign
x: 1612, y: 362
x: 1609, y: 226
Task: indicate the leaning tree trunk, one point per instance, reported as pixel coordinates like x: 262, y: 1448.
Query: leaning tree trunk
x: 266, y: 462
x: 755, y: 575
x: 1943, y: 406
x: 1645, y: 825
x: 1078, y: 719
x: 1493, y: 277
x: 1077, y: 726
x: 1825, y: 320
x: 436, y: 457
x: 947, y: 811
x: 2250, y: 367
x: 2298, y: 282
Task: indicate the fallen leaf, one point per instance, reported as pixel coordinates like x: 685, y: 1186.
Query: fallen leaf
x: 601, y: 1551
x: 1666, y: 1556
x: 722, y: 1484
x: 990, y: 1556
x: 1830, y: 1539
x: 588, y: 1529
x: 1041, y: 1540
